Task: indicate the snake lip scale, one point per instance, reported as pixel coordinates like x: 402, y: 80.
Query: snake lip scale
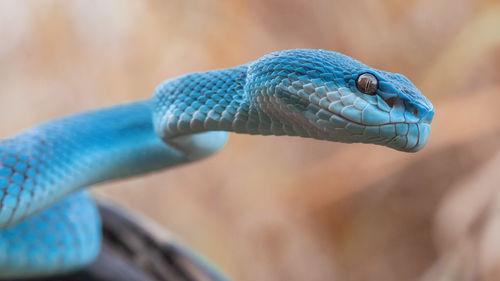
x: 48, y: 221
x: 422, y: 121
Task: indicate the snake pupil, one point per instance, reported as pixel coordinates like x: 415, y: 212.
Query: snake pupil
x: 367, y: 83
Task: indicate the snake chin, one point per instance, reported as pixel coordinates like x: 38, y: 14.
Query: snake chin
x: 401, y: 136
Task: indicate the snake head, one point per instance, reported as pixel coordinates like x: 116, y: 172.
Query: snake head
x: 330, y: 96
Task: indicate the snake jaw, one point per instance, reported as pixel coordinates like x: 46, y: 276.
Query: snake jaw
x: 340, y: 114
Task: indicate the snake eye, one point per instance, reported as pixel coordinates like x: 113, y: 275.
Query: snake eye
x: 367, y: 83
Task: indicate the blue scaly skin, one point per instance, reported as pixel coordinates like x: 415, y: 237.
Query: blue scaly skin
x: 52, y: 160
x: 307, y: 93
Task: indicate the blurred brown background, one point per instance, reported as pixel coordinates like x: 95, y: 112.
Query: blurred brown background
x: 269, y: 208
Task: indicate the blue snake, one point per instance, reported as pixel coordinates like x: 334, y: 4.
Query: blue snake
x: 49, y: 224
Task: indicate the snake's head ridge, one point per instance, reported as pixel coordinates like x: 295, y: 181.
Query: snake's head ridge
x: 331, y: 96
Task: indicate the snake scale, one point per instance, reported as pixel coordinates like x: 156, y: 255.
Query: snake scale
x: 49, y: 224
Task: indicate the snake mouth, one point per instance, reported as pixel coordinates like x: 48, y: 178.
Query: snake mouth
x: 413, y: 140
x: 403, y: 135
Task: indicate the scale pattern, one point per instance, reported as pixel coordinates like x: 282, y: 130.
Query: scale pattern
x: 48, y: 162
x: 306, y: 93
x: 61, y: 237
x: 52, y: 160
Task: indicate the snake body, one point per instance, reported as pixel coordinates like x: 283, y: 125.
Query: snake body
x: 49, y: 223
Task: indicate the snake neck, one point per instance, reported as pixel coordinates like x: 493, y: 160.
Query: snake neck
x: 219, y: 100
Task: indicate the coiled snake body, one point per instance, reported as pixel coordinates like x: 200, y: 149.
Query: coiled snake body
x: 49, y: 223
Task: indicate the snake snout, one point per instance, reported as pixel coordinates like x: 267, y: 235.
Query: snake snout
x: 427, y: 118
x: 413, y: 125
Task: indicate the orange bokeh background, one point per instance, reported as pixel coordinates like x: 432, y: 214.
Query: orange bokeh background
x: 281, y: 208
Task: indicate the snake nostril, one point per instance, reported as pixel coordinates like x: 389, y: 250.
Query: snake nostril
x: 415, y: 112
x: 428, y: 117
x: 390, y: 102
